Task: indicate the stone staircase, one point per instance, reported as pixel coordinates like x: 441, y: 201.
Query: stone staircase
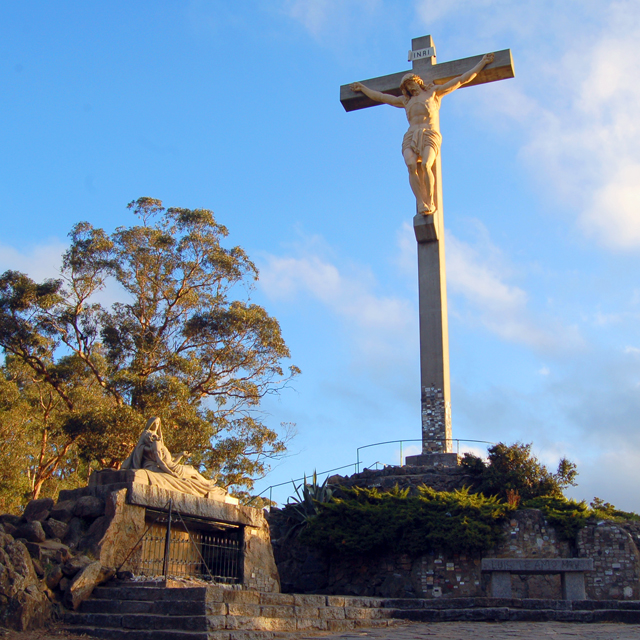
x: 147, y: 611
x: 513, y: 610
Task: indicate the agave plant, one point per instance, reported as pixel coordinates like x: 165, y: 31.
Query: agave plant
x: 304, y: 505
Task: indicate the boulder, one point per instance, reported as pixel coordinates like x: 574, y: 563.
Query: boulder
x: 74, y: 565
x: 53, y: 575
x: 89, y: 507
x: 31, y: 531
x: 38, y: 510
x: 90, y: 542
x: 84, y: 583
x: 55, y: 528
x: 24, y: 604
x: 54, y: 551
x: 63, y: 511
x: 34, y: 550
x: 74, y: 532
x: 9, y: 518
x: 38, y: 568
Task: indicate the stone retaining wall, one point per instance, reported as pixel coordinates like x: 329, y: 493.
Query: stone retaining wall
x: 616, y: 572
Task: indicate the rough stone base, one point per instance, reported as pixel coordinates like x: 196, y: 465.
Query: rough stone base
x: 433, y: 460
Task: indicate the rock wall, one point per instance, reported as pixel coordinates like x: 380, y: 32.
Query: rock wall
x: 49, y: 557
x: 616, y: 561
x: 54, y: 555
x: 527, y: 535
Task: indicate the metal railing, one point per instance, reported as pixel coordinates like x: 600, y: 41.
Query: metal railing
x: 401, y: 442
x: 169, y: 548
x: 356, y: 464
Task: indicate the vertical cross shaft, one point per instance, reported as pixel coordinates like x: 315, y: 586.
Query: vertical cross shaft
x: 435, y: 390
x: 429, y: 229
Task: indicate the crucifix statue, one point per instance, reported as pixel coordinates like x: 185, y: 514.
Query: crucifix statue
x: 419, y: 92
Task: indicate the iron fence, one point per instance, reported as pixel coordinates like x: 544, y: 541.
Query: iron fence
x: 180, y: 547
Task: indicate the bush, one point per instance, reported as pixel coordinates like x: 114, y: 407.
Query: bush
x: 566, y: 516
x: 369, y: 521
x: 513, y: 470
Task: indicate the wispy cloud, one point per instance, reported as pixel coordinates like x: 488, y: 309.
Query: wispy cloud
x: 44, y: 261
x: 383, y: 328
x: 39, y: 262
x: 479, y: 281
x: 575, y: 97
x: 334, y: 19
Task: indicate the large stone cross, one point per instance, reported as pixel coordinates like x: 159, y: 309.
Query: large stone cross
x: 429, y: 232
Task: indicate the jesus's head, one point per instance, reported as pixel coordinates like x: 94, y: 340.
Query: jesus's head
x: 411, y: 85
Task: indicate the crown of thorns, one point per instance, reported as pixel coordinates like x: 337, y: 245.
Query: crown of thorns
x: 411, y: 77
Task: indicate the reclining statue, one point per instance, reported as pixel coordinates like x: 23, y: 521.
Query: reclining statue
x: 165, y: 471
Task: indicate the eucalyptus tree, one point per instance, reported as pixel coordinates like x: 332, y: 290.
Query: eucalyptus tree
x: 183, y: 341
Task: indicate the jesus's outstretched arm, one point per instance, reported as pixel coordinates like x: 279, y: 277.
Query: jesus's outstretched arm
x: 456, y: 83
x: 378, y: 96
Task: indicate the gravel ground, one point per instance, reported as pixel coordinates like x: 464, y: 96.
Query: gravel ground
x: 427, y: 631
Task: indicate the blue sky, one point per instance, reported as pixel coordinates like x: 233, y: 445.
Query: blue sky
x: 234, y: 107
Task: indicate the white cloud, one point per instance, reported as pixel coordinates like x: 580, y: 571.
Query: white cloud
x: 334, y: 19
x: 479, y: 277
x: 382, y: 328
x: 44, y: 261
x: 479, y: 290
x: 39, y: 262
x: 348, y: 296
x: 576, y: 98
x: 612, y: 477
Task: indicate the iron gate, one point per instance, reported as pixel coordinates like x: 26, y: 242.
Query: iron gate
x: 187, y: 547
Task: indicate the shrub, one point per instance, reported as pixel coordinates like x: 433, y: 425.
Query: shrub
x: 514, y: 469
x: 369, y: 521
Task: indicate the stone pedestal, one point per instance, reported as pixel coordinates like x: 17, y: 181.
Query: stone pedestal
x: 501, y: 584
x: 573, y: 586
x: 433, y: 460
x: 130, y: 506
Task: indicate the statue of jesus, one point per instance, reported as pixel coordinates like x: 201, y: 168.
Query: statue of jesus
x: 421, y: 143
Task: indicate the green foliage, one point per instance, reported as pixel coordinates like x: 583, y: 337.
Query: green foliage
x: 514, y: 468
x: 368, y: 521
x: 606, y: 511
x: 178, y: 345
x: 566, y: 516
x: 305, y: 505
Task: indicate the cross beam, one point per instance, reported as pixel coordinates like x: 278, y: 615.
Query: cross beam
x: 434, y: 332
x: 500, y: 69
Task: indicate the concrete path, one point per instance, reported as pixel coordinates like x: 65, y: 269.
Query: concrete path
x: 493, y: 631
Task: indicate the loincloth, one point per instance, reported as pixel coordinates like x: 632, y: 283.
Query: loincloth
x: 418, y: 138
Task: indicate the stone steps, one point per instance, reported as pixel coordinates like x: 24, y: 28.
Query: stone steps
x: 150, y: 612
x: 509, y: 603
x: 513, y: 610
x: 505, y: 614
x: 145, y: 612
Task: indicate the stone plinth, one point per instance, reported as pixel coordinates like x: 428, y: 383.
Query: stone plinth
x: 143, y: 477
x: 433, y: 460
x: 126, y: 519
